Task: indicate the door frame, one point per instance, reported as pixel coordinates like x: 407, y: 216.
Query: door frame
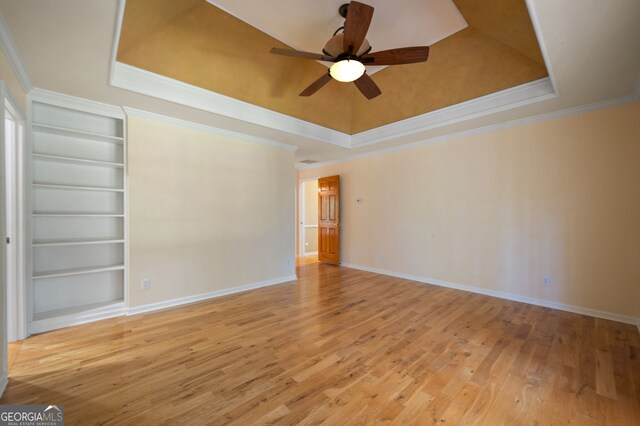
x: 15, y: 289
x: 300, y: 225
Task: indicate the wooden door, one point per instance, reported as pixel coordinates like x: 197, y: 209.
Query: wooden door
x: 329, y: 219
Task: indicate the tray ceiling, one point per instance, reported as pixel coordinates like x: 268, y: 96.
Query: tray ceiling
x: 195, y: 42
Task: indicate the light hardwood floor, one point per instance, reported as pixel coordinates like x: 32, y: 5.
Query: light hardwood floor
x: 339, y: 346
x: 306, y: 260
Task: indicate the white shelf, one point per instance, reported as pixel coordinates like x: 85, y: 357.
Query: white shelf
x: 75, y: 188
x: 77, y: 271
x: 76, y: 242
x: 75, y: 160
x: 62, y: 214
x: 78, y: 183
x: 85, y: 309
x: 65, y: 131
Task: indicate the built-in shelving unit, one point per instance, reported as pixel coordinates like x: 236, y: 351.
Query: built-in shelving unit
x: 78, y: 199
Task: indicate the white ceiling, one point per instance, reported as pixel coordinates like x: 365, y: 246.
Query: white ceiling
x: 308, y: 24
x: 592, y: 49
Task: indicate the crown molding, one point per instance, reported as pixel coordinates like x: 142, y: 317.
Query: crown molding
x: 533, y: 14
x: 11, y: 102
x: 116, y: 39
x: 208, y: 129
x: 480, y: 130
x: 13, y: 56
x: 525, y: 94
x: 68, y: 101
x: 147, y: 83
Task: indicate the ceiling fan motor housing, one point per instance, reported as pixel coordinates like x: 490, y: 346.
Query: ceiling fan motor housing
x: 342, y: 10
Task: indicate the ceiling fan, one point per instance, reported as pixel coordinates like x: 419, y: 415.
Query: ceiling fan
x: 350, y: 52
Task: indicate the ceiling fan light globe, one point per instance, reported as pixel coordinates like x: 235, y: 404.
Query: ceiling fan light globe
x: 347, y: 70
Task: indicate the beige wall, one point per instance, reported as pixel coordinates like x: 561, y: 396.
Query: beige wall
x: 206, y: 212
x: 8, y: 75
x: 501, y: 210
x: 311, y: 215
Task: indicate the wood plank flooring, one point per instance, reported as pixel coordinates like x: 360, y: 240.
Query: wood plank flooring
x: 338, y: 346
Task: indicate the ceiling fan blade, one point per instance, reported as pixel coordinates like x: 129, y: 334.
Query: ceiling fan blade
x: 301, y: 54
x: 367, y: 86
x: 316, y: 85
x: 404, y: 55
x: 356, y: 25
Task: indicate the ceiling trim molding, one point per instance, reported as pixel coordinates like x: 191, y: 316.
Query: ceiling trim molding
x: 10, y: 102
x: 68, y: 101
x: 13, y: 56
x: 525, y: 94
x: 116, y: 39
x: 147, y: 83
x: 480, y: 130
x: 207, y: 129
x: 533, y: 14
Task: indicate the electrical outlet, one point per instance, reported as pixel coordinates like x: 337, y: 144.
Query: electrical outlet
x: 288, y: 262
x: 546, y: 281
x: 145, y: 284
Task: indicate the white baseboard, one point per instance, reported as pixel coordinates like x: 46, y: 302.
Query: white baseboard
x: 502, y: 295
x: 204, y: 296
x: 40, y: 326
x: 4, y: 380
x: 311, y: 253
x: 116, y: 310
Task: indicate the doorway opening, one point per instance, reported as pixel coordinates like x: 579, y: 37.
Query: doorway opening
x: 13, y: 197
x: 308, y: 218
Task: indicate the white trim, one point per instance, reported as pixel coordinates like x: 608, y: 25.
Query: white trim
x: 141, y: 81
x: 4, y: 380
x: 503, y: 295
x: 301, y: 229
x: 147, y: 83
x: 19, y: 332
x: 126, y: 274
x: 4, y: 278
x: 208, y: 129
x: 533, y: 14
x: 13, y: 56
x: 310, y: 226
x: 28, y: 217
x: 72, y: 102
x: 116, y: 39
x: 514, y: 97
x: 311, y: 253
x: 479, y: 130
x: 40, y: 326
x: 205, y: 296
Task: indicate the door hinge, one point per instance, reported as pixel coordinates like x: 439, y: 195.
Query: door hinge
x: 8, y: 240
